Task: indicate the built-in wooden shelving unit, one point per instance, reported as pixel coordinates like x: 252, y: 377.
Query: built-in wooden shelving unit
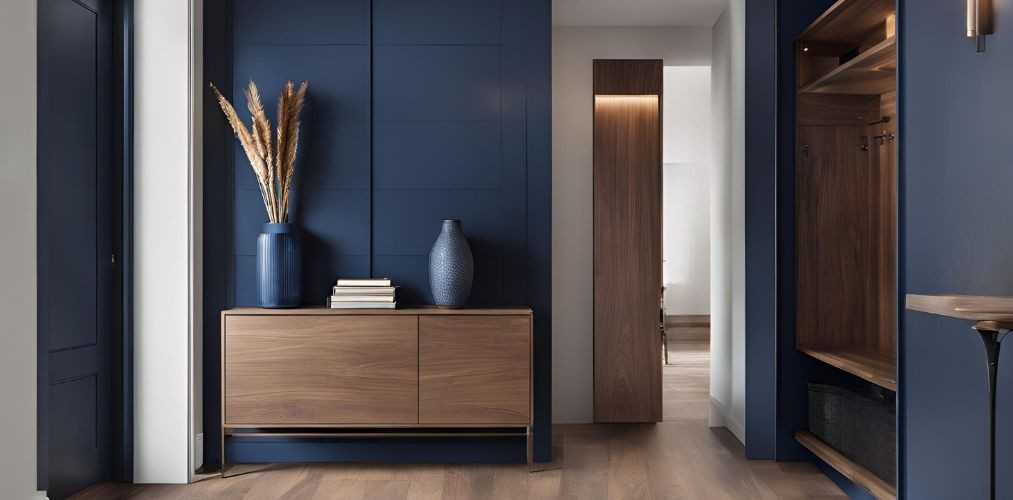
x: 846, y: 210
x: 849, y: 469
x: 874, y: 366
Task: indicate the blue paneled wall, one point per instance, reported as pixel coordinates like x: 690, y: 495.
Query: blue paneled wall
x: 418, y: 111
x: 957, y: 180
x: 416, y: 114
x: 327, y: 44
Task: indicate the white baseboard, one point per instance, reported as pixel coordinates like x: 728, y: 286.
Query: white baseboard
x: 40, y: 495
x: 198, y: 451
x: 719, y: 416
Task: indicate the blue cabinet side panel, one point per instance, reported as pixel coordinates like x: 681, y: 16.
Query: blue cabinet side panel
x: 761, y: 342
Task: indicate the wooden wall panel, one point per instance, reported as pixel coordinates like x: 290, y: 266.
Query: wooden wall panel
x: 304, y: 370
x: 884, y: 188
x: 627, y: 76
x: 627, y: 246
x: 475, y: 370
x: 832, y: 236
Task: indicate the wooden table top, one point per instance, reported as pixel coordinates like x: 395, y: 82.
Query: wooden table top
x: 971, y: 307
x: 408, y: 310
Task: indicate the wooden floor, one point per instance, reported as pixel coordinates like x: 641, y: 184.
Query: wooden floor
x: 686, y: 381
x: 679, y: 458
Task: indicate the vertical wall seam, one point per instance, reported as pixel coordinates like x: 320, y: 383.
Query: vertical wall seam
x: 372, y: 130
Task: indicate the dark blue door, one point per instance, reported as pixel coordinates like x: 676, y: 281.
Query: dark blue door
x: 76, y: 263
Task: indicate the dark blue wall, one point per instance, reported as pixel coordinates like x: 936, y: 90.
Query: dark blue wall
x: 761, y: 343
x: 957, y: 147
x: 776, y: 379
x: 795, y: 369
x: 417, y: 111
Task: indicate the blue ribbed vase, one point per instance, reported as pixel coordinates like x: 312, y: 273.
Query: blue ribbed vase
x: 279, y: 273
x: 451, y: 267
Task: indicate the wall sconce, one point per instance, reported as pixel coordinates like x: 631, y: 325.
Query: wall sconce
x: 979, y: 21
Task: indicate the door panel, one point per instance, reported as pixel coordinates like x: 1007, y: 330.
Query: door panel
x: 309, y: 370
x: 72, y: 94
x: 75, y: 244
x: 475, y: 370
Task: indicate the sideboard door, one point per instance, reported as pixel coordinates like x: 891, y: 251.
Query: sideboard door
x: 474, y: 370
x: 321, y: 370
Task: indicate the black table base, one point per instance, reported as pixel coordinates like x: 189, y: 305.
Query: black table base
x: 990, y: 332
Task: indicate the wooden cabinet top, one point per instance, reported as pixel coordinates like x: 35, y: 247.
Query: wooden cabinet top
x: 401, y: 311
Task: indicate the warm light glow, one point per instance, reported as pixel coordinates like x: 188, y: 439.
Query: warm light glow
x: 626, y: 99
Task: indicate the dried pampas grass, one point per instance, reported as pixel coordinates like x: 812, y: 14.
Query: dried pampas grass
x: 273, y: 161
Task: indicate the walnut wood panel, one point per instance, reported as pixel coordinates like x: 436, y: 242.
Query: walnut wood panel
x: 832, y: 109
x: 298, y: 370
x: 474, y: 370
x: 832, y: 236
x: 627, y: 259
x: 627, y: 76
x: 883, y: 245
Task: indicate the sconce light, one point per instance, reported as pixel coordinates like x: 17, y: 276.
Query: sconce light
x: 979, y: 21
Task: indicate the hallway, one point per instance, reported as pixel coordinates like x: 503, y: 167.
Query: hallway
x: 680, y: 458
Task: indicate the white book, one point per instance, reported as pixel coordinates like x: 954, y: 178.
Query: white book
x: 362, y: 298
x: 364, y: 282
x: 363, y: 305
x: 363, y: 290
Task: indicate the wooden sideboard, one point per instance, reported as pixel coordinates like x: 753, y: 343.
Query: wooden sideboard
x: 366, y: 372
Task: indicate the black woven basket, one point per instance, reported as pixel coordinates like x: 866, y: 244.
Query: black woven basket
x: 825, y: 413
x: 869, y: 432
x: 861, y: 425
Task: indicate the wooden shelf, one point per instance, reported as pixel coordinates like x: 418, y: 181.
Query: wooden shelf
x: 849, y: 21
x: 849, y: 469
x: 972, y: 307
x: 874, y: 366
x: 871, y: 72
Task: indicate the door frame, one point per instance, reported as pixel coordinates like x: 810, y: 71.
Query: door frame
x: 122, y: 235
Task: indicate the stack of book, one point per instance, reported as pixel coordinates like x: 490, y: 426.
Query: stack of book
x: 367, y: 293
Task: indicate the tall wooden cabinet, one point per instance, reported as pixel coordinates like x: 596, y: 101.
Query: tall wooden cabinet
x: 627, y: 239
x: 359, y: 372
x: 846, y: 201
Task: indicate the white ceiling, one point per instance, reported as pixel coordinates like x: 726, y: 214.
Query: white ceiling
x: 636, y: 12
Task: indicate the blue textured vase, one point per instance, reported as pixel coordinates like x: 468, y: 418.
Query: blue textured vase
x: 279, y: 274
x: 451, y: 267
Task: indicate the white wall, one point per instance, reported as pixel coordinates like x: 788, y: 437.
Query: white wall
x: 728, y: 222
x: 686, y: 115
x: 162, y: 241
x: 686, y: 193
x: 573, y: 50
x: 18, y: 454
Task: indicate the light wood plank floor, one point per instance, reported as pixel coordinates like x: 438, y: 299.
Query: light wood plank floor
x: 679, y: 458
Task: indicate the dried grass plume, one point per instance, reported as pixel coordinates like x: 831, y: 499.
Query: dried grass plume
x: 272, y: 159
